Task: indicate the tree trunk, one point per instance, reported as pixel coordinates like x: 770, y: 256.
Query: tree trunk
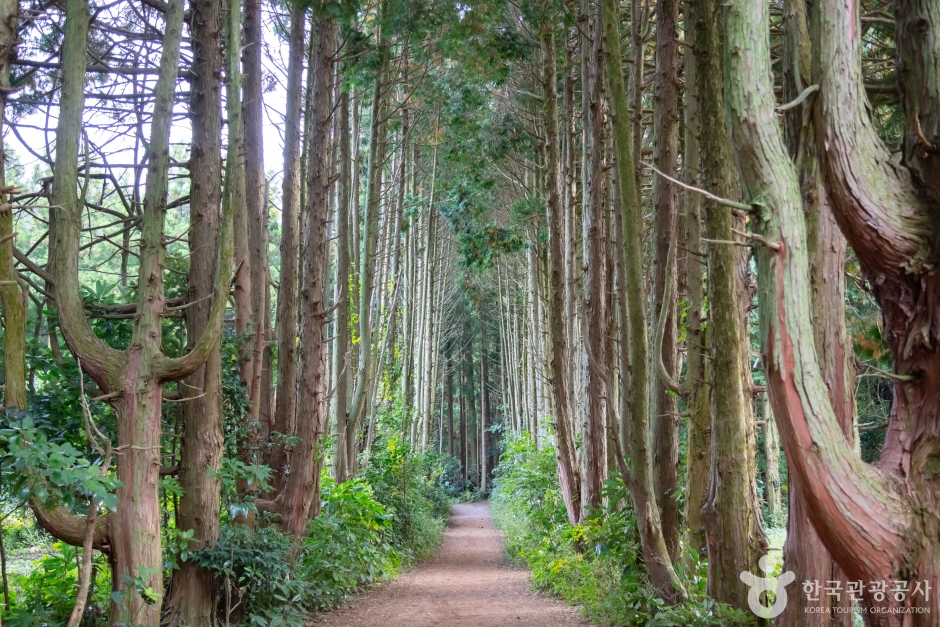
x: 658, y: 563
x: 450, y: 408
x: 561, y: 407
x: 804, y: 552
x: 665, y: 210
x: 698, y: 372
x: 192, y: 599
x: 593, y: 452
x: 466, y: 370
x: 735, y: 542
x: 863, y: 514
x: 341, y: 372
x: 135, y: 377
x: 772, y: 469
x: 303, y: 482
x: 287, y: 315
x: 484, y: 411
x: 252, y: 112
x: 367, y: 253
x: 12, y: 294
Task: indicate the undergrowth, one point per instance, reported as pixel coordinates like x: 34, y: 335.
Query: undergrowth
x: 607, y: 576
x: 368, y: 530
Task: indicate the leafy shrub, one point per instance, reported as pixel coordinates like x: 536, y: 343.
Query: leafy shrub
x: 412, y: 488
x: 348, y: 545
x: 46, y: 595
x: 357, y: 539
x: 255, y: 569
x: 597, y: 564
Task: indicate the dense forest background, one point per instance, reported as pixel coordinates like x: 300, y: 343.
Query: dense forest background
x: 280, y: 281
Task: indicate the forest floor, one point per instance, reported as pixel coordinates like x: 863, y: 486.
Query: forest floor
x: 467, y: 583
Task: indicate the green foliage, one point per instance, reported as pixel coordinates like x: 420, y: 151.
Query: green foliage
x: 53, y: 472
x: 348, y: 545
x: 412, y: 489
x: 229, y: 473
x: 46, y: 595
x: 357, y: 539
x: 598, y: 564
x: 257, y: 574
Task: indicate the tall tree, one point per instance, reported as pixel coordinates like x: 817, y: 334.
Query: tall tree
x: 12, y: 294
x: 568, y: 475
x: 341, y: 359
x: 804, y: 551
x: 192, y: 598
x: 735, y: 542
x: 303, y: 482
x: 636, y: 352
x: 132, y: 379
x: 593, y: 452
x: 865, y: 515
x: 665, y: 225
x: 698, y: 372
x: 256, y: 209
x: 287, y: 303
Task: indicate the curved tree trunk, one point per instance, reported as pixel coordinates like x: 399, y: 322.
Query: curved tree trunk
x: 135, y: 376
x: 804, y: 551
x: 865, y: 516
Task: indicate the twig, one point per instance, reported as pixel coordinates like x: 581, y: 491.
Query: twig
x: 709, y: 195
x: 760, y: 239
x: 727, y: 242
x: 108, y: 396
x: 664, y: 376
x: 182, y: 400
x: 799, y: 99
x: 920, y: 133
x: 93, y: 433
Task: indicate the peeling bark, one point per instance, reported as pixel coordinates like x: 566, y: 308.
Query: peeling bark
x: 857, y: 509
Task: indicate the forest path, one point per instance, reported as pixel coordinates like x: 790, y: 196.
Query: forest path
x: 467, y: 583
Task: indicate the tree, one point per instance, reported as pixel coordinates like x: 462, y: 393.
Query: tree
x: 865, y: 515
x: 735, y: 542
x: 191, y: 599
x: 568, y: 475
x: 302, y: 489
x: 131, y: 379
x: 665, y: 234
x: 660, y: 567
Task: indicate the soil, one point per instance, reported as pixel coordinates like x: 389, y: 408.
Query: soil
x: 467, y: 583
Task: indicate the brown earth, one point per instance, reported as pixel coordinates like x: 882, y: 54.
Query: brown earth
x: 467, y: 583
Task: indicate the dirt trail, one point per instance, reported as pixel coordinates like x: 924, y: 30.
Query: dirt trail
x: 467, y: 583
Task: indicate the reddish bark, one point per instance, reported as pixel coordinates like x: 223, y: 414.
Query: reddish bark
x: 303, y: 481
x: 878, y: 522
